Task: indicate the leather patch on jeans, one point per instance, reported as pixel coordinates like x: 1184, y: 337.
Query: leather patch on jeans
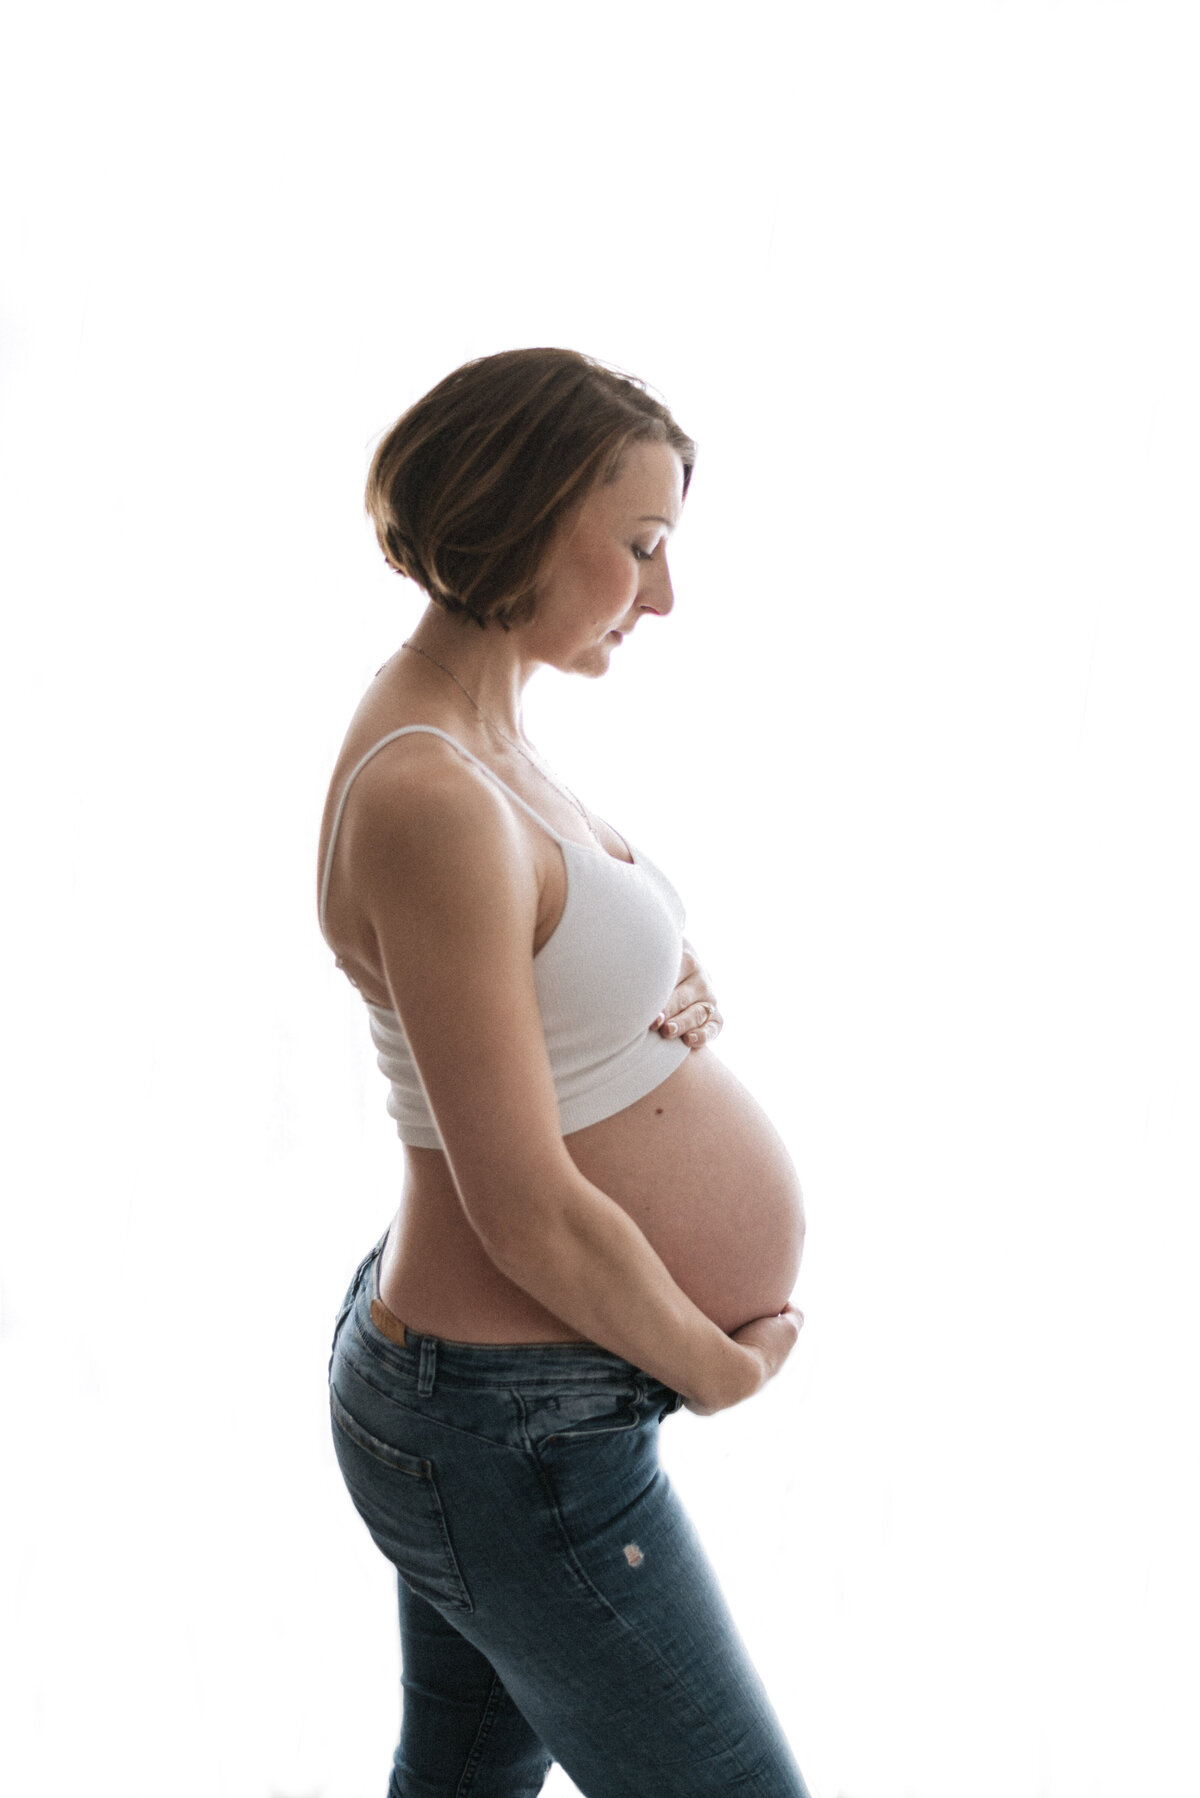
x: 386, y: 1324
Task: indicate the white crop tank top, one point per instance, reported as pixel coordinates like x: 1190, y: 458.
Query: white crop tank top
x: 604, y: 975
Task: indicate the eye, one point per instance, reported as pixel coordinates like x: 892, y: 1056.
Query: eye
x: 640, y: 554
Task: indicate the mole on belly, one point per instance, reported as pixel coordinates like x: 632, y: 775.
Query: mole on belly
x: 658, y: 1111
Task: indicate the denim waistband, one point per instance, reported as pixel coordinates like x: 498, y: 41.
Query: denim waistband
x: 505, y: 1364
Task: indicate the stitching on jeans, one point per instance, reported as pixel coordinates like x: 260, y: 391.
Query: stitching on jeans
x: 475, y: 1752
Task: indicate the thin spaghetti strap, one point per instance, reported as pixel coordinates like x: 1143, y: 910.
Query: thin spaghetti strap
x: 408, y: 730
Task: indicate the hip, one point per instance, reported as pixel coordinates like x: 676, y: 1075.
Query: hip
x: 514, y: 1395
x: 450, y: 1450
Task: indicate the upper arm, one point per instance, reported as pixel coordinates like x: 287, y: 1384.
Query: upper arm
x: 446, y: 879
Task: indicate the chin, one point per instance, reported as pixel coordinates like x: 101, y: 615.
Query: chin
x: 591, y: 663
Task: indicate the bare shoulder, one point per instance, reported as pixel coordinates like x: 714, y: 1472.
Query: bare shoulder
x: 424, y: 821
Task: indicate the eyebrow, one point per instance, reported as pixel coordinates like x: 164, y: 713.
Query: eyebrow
x: 655, y: 518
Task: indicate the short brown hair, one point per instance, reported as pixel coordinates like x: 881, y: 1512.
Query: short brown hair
x: 467, y: 489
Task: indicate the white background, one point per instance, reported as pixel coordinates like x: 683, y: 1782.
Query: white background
x: 919, y: 745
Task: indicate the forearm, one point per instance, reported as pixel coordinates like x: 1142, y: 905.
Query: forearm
x: 586, y: 1261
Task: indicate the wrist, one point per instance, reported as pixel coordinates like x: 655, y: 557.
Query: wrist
x: 737, y: 1375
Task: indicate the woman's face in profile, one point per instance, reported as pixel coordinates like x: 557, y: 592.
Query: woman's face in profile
x: 608, y: 565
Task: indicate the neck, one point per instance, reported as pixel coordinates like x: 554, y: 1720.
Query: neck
x: 487, y: 662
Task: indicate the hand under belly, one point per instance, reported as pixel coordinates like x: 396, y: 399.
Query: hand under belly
x: 701, y: 1169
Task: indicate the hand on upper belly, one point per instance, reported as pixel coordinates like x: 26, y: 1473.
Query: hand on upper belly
x: 691, y: 1013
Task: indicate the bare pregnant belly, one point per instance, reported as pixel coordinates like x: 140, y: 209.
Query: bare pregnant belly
x: 698, y: 1166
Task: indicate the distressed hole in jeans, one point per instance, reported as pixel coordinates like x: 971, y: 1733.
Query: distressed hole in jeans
x: 633, y: 1554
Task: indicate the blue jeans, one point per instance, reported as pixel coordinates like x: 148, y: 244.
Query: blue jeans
x: 555, y: 1603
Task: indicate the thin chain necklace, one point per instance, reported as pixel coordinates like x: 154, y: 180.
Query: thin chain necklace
x: 511, y: 741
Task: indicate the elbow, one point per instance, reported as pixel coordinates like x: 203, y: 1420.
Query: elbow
x: 506, y: 1245
x: 528, y: 1250
x: 518, y: 1221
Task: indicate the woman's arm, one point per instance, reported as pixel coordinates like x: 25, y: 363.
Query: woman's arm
x: 445, y: 876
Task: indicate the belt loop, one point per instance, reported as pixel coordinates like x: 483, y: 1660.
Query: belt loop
x: 371, y: 1261
x: 427, y: 1366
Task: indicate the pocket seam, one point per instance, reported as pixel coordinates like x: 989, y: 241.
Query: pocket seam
x: 413, y: 1465
x: 417, y: 1468
x: 628, y: 1402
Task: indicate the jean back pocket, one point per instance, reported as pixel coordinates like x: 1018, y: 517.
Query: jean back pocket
x: 396, y: 1495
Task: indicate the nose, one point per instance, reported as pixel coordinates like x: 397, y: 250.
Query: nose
x: 656, y: 593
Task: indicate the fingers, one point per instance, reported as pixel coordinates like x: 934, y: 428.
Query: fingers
x: 706, y: 1028
x: 691, y: 1014
x: 696, y: 1024
x: 779, y: 1343
x: 773, y: 1337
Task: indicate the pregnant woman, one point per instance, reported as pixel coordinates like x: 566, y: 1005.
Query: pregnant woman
x: 598, y: 1223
